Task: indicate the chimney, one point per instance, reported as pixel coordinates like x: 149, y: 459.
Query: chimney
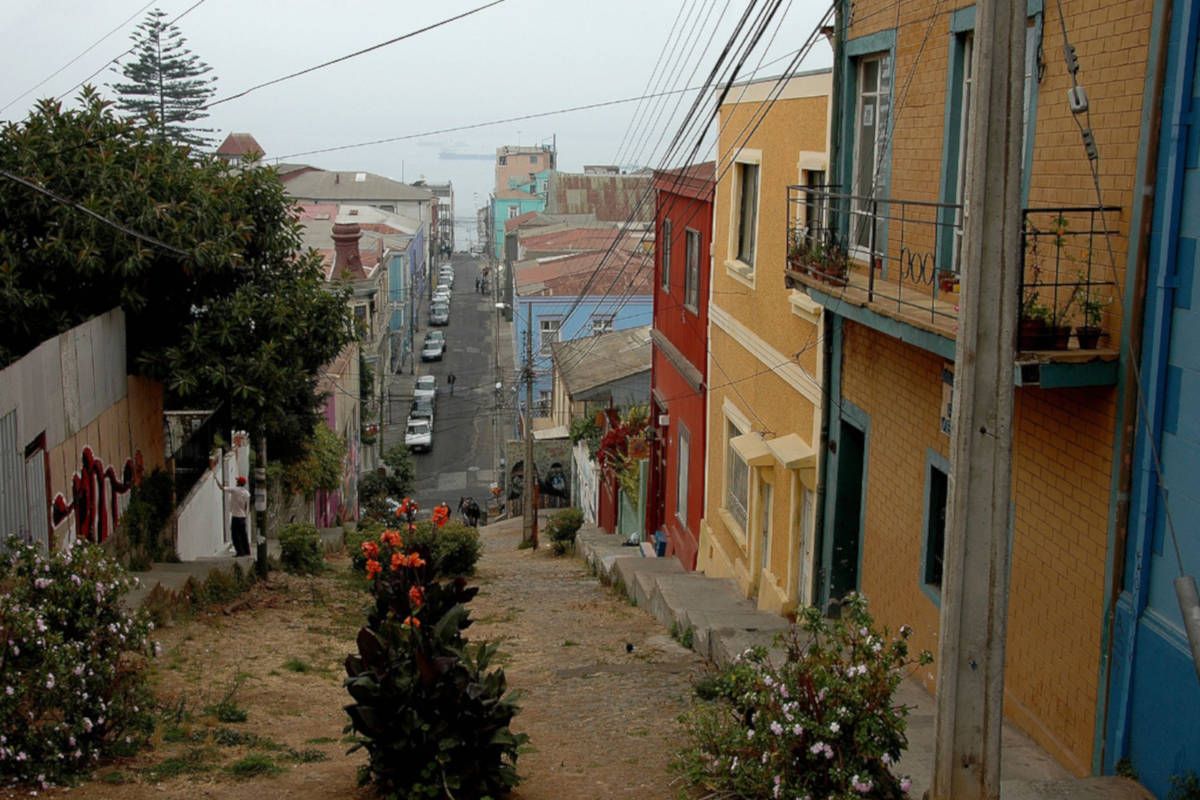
x: 347, y: 261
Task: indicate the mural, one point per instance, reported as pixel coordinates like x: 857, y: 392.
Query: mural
x: 96, y: 515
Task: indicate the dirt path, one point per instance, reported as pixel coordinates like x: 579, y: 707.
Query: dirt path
x: 601, y: 718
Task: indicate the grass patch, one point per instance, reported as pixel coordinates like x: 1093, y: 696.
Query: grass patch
x: 297, y: 665
x: 227, y: 710
x: 570, y: 643
x: 322, y: 740
x: 116, y: 777
x: 306, y: 756
x: 255, y: 765
x: 192, y: 761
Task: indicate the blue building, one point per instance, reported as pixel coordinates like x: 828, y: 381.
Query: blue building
x: 1153, y: 714
x: 511, y: 204
x: 575, y: 296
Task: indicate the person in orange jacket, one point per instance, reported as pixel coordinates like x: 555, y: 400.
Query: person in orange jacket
x: 441, y: 514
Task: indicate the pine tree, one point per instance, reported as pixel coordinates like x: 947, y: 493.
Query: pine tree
x: 167, y: 88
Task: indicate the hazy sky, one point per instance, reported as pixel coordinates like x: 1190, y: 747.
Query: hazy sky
x: 520, y: 57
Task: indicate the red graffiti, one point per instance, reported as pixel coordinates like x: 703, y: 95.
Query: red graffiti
x: 93, y: 511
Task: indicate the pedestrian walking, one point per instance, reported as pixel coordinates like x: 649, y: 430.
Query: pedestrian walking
x: 441, y: 514
x: 239, y: 508
x: 450, y: 380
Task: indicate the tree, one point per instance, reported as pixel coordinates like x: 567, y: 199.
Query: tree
x: 167, y: 89
x: 244, y: 317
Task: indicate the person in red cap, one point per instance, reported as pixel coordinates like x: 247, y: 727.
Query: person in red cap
x: 239, y: 507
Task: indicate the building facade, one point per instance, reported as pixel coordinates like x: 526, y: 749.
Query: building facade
x: 682, y: 266
x: 765, y: 369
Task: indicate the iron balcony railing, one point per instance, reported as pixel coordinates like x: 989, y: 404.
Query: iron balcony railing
x: 904, y: 258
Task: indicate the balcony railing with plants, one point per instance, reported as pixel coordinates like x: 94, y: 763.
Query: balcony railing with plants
x: 903, y: 258
x: 896, y: 255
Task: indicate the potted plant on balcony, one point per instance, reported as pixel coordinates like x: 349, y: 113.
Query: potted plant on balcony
x: 948, y: 282
x: 828, y: 262
x: 1089, y: 332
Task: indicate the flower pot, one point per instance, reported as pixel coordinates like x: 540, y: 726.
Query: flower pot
x: 1031, y: 334
x: 1088, y: 337
x: 1058, y: 337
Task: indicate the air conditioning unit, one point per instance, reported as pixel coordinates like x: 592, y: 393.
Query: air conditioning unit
x: 664, y: 420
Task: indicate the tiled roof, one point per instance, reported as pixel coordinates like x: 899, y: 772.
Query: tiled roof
x: 570, y: 240
x: 593, y: 361
x: 620, y: 272
x: 612, y: 198
x: 351, y: 186
x: 695, y: 180
x: 518, y: 221
x: 239, y: 144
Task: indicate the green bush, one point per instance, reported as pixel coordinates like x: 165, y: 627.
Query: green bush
x: 395, y: 482
x: 140, y: 538
x: 431, y: 714
x: 300, y: 549
x: 454, y: 549
x: 822, y: 724
x: 73, y: 664
x: 562, y: 528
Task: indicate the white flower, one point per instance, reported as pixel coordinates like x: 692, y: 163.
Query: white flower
x: 776, y: 729
x: 50, y: 680
x: 834, y: 727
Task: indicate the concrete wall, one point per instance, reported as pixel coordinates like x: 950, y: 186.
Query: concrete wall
x: 585, y: 478
x: 96, y: 430
x: 202, y: 518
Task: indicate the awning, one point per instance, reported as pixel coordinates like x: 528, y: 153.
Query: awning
x: 792, y: 452
x: 752, y: 449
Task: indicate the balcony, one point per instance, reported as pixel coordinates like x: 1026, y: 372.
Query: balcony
x: 895, y: 265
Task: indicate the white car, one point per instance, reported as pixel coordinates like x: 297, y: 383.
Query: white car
x: 439, y: 314
x: 418, y: 436
x: 426, y: 384
x: 441, y: 288
x: 446, y: 276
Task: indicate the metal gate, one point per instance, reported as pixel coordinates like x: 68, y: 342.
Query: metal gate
x: 13, y: 509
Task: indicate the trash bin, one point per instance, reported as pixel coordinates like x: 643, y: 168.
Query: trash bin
x: 660, y: 543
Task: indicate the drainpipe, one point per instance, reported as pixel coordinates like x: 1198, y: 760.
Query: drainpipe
x: 1128, y: 413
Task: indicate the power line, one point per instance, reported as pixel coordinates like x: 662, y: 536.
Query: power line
x: 89, y: 49
x: 150, y: 240
x: 355, y: 54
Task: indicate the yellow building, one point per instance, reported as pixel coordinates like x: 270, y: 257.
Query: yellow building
x: 765, y: 348
x: 883, y: 260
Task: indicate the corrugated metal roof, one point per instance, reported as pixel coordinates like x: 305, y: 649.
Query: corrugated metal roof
x: 612, y: 198
x: 593, y: 361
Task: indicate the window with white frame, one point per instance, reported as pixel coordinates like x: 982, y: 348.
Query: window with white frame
x: 747, y: 212
x: 873, y: 112
x: 548, y: 332
x: 512, y: 212
x: 545, y: 398
x: 666, y: 255
x: 602, y: 323
x: 691, y: 274
x: 684, y: 456
x: 737, y: 478
x: 816, y: 204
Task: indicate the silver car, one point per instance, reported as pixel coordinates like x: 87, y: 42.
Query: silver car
x: 439, y: 314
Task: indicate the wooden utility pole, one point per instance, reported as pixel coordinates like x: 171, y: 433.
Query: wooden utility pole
x: 970, y: 692
x: 529, y: 528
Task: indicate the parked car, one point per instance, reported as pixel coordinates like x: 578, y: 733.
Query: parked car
x: 422, y: 408
x: 427, y: 384
x: 446, y: 276
x: 442, y: 289
x: 439, y: 314
x: 433, y: 350
x: 418, y: 436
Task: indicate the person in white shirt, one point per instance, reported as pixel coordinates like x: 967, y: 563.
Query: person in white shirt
x: 239, y: 507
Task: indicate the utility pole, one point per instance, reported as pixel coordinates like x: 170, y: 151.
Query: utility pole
x: 260, y: 506
x: 970, y: 692
x: 529, y: 528
x: 412, y: 323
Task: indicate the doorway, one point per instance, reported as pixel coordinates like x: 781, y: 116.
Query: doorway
x: 847, y: 512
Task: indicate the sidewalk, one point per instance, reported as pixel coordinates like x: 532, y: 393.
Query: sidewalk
x: 724, y: 623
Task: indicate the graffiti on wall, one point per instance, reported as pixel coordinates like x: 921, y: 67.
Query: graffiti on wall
x: 95, y: 493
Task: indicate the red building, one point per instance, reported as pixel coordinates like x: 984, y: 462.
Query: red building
x: 679, y: 370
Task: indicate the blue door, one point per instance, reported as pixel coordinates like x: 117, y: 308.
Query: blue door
x: 1154, y: 710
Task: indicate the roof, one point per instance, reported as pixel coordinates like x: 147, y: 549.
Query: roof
x: 288, y: 171
x: 324, y: 185
x: 239, y: 144
x: 381, y: 231
x: 568, y: 276
x: 697, y: 181
x: 612, y: 198
x: 585, y: 364
x: 518, y: 220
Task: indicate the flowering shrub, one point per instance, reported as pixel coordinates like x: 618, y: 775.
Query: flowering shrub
x: 453, y: 549
x: 72, y: 664
x: 821, y: 725
x: 431, y: 716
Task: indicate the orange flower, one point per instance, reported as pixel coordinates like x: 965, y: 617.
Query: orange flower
x: 397, y: 561
x: 370, y: 549
x: 373, y: 568
x: 416, y: 596
x: 412, y: 622
x: 415, y: 561
x: 391, y: 537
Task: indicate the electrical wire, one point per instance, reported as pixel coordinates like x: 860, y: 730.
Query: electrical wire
x: 355, y: 54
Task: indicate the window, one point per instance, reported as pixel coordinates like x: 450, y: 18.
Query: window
x: 548, y: 333
x: 681, y: 474
x: 870, y: 138
x: 512, y: 212
x: 964, y: 148
x: 936, y: 489
x: 666, y: 255
x: 533, y: 159
x: 765, y: 491
x: 737, y: 478
x: 691, y: 274
x: 747, y: 228
x: 544, y: 399
x: 503, y: 160
x: 602, y: 323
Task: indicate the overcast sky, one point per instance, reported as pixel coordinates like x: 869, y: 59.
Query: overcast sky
x: 520, y: 57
